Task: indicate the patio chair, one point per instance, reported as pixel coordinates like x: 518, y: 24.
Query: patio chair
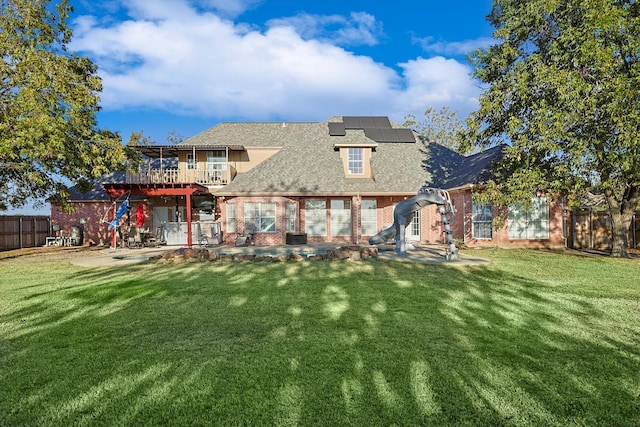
x: 204, y: 241
x: 157, y: 239
x: 135, y: 239
x: 245, y: 240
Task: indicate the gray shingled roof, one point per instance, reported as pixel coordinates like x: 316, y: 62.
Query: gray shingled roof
x: 308, y: 162
x: 474, y: 169
x: 97, y: 192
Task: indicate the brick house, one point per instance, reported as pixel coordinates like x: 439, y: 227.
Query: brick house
x: 332, y: 181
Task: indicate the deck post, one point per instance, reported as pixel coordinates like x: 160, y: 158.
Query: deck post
x: 113, y: 217
x: 189, y: 237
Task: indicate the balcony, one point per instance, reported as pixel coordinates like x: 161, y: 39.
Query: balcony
x: 206, y: 177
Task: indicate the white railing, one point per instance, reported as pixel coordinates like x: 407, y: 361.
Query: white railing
x: 212, y: 178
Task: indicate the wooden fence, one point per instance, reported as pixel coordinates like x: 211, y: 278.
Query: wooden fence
x: 17, y: 232
x: 592, y: 230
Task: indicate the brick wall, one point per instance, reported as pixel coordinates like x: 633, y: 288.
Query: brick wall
x: 96, y: 232
x: 463, y: 226
x: 92, y: 213
x: 279, y: 236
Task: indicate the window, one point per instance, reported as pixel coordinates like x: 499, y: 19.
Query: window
x: 355, y: 161
x: 481, y: 220
x: 413, y: 228
x: 216, y: 164
x: 260, y: 217
x: 290, y: 216
x: 315, y: 217
x: 231, y: 217
x: 340, y: 217
x: 532, y: 223
x: 191, y: 162
x: 369, y: 217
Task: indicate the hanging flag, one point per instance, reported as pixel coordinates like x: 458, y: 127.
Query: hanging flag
x: 140, y: 215
x: 121, y: 211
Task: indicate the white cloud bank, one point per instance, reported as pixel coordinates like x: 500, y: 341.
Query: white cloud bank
x: 179, y: 57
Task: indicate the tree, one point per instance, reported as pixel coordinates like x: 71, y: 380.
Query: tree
x: 441, y: 126
x: 48, y: 104
x: 564, y: 90
x: 139, y: 139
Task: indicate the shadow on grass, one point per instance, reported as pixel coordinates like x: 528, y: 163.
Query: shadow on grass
x: 316, y: 343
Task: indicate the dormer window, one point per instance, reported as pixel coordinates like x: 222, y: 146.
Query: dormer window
x: 356, y: 161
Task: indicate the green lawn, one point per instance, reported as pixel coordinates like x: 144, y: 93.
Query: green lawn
x: 534, y: 338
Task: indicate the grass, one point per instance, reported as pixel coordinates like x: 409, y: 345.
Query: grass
x: 535, y: 338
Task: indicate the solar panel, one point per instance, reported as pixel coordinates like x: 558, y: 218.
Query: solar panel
x: 374, y: 133
x: 337, y: 129
x: 382, y: 122
x: 351, y: 122
x: 405, y: 135
x: 389, y: 135
x: 377, y: 128
x: 363, y: 122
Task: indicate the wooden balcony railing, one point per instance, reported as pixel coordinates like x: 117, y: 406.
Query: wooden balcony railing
x: 210, y: 178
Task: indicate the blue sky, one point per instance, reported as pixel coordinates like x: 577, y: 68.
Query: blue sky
x: 185, y: 65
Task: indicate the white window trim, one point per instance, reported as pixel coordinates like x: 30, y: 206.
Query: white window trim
x: 231, y: 208
x: 291, y: 224
x: 371, y: 217
x: 358, y: 163
x: 261, y: 216
x: 192, y: 162
x: 340, y: 226
x: 483, y: 221
x: 309, y: 214
x: 527, y: 223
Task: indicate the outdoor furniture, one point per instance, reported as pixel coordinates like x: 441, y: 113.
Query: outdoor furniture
x: 136, y: 237
x: 293, y: 238
x: 242, y: 240
x: 60, y: 240
x: 157, y: 239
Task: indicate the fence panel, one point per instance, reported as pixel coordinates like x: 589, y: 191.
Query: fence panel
x: 593, y: 230
x: 19, y: 231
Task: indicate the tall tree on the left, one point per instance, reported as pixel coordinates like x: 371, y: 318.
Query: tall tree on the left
x: 49, y: 98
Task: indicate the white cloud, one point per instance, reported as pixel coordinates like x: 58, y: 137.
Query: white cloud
x: 175, y: 58
x: 438, y: 82
x: 430, y: 45
x: 361, y: 29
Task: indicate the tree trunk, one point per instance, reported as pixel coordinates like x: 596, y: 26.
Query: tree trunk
x: 621, y: 223
x: 622, y: 217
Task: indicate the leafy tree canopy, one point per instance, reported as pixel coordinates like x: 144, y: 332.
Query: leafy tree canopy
x: 442, y: 126
x: 48, y: 104
x: 564, y: 89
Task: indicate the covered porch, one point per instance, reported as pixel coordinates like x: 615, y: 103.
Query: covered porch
x: 181, y: 230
